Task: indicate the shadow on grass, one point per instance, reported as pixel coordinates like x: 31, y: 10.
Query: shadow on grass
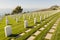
x: 38, y: 22
x: 13, y: 35
x: 30, y: 27
x: 43, y: 20
x: 9, y: 24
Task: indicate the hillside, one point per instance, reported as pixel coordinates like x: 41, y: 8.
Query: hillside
x: 54, y: 7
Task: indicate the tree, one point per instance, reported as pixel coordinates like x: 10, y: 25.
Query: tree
x: 17, y: 10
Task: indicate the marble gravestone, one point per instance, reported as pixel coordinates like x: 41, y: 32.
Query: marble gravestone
x: 8, y: 30
x: 25, y: 23
x: 35, y: 20
x: 7, y: 22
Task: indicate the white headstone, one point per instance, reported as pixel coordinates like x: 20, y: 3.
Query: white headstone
x: 7, y: 22
x: 16, y: 19
x: 8, y: 30
x: 35, y: 20
x: 25, y: 23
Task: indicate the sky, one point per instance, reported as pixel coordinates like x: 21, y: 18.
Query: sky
x: 29, y: 4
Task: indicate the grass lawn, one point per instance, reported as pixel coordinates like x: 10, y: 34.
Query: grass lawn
x: 18, y: 27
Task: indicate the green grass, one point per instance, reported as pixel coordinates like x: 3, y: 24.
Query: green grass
x: 18, y: 28
x: 56, y: 35
x: 44, y: 32
x: 24, y: 37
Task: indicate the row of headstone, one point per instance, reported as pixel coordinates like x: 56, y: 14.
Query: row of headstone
x: 29, y: 18
x: 8, y: 30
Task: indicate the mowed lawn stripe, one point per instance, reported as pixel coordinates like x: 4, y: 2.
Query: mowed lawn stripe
x: 26, y: 35
x: 43, y: 33
x: 56, y: 35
